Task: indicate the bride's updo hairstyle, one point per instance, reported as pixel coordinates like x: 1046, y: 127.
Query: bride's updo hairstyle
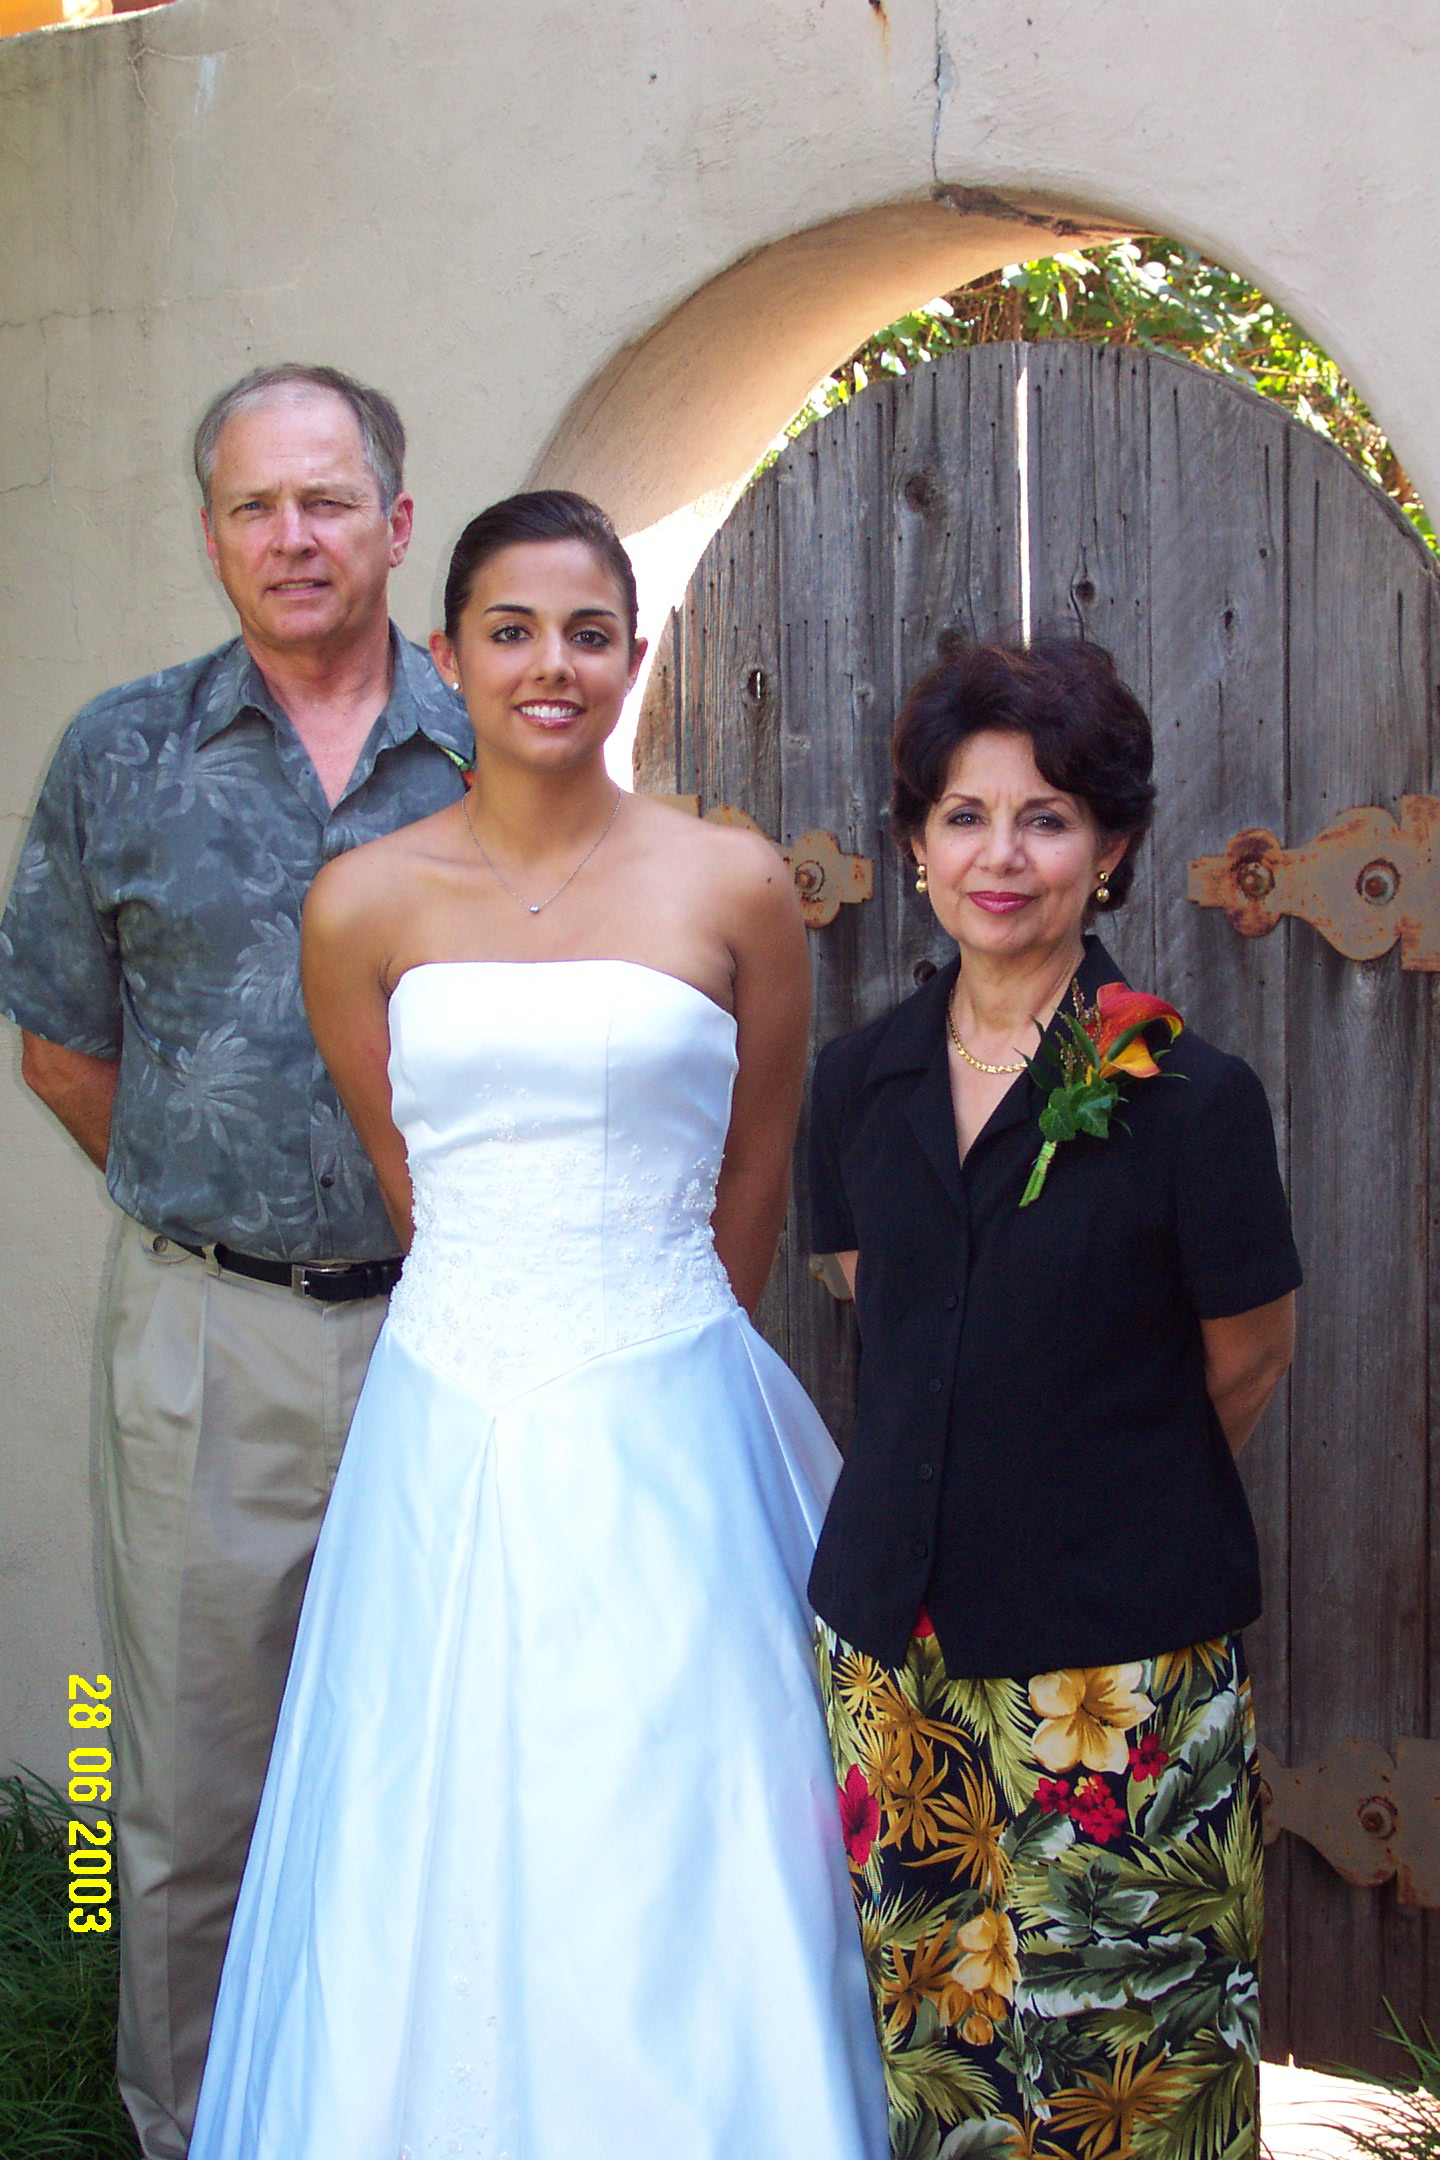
x: 1089, y: 735
x: 547, y: 514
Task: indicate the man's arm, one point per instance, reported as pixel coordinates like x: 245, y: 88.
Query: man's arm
x: 79, y: 1089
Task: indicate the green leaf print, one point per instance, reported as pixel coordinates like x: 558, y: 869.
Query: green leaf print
x: 1206, y: 1884
x: 1033, y: 1838
x: 1221, y: 1998
x: 1093, y: 1907
x: 977, y: 2140
x: 1203, y: 1776
x: 1212, y: 2117
x: 998, y: 1713
x: 931, y: 2078
x: 1187, y: 1722
x: 1104, y: 1976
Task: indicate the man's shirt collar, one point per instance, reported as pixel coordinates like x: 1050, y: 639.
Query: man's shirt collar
x: 418, y: 699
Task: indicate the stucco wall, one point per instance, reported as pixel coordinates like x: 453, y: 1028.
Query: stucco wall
x: 611, y: 245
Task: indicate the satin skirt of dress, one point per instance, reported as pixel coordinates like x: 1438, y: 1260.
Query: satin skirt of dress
x: 549, y: 1864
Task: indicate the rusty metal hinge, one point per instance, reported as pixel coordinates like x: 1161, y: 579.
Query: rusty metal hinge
x: 825, y: 879
x: 1362, y: 883
x: 1370, y: 1815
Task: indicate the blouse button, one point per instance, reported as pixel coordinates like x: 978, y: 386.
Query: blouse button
x: 935, y: 1386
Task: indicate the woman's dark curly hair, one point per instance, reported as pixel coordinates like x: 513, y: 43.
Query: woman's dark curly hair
x: 1089, y: 735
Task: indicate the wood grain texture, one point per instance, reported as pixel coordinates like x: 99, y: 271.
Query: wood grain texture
x: 1360, y: 730
x: 1282, y: 625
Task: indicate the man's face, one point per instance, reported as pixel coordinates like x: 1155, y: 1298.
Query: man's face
x: 294, y: 526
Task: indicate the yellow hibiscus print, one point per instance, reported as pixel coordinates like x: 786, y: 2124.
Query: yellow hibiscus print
x: 983, y: 1905
x: 1085, y: 1714
x: 992, y: 1957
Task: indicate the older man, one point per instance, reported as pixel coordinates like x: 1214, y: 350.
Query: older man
x: 150, y: 954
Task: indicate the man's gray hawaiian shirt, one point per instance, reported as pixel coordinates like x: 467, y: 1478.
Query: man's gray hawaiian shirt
x: 155, y: 917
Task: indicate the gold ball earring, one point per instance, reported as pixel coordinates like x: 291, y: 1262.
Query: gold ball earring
x: 922, y: 880
x: 1102, y: 890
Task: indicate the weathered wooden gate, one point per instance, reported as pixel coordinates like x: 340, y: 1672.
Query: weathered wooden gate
x: 1282, y: 623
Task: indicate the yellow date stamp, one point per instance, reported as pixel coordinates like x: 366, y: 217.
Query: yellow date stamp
x: 91, y: 1860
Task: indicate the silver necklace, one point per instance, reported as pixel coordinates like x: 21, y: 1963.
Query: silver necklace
x: 533, y: 907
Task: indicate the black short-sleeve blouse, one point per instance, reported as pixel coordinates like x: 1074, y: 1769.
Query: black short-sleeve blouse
x: 1035, y: 1457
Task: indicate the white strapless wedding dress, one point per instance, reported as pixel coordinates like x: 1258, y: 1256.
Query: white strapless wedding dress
x: 549, y: 1862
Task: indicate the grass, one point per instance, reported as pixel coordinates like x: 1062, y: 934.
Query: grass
x: 1407, y: 2119
x: 58, y: 2097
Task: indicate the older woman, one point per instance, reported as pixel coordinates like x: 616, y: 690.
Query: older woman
x: 1075, y: 1283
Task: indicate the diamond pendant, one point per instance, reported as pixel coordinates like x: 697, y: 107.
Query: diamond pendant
x: 537, y: 907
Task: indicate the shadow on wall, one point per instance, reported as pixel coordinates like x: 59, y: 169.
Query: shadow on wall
x: 17, y: 15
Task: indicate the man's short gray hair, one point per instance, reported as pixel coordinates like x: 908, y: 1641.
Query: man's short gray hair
x: 382, y: 433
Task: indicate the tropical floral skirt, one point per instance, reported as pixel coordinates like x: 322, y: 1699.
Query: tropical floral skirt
x: 1059, y: 1891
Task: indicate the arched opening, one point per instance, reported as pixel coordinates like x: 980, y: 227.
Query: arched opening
x: 670, y: 432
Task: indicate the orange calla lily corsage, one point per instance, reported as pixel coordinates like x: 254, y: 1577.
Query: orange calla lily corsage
x: 1106, y: 1045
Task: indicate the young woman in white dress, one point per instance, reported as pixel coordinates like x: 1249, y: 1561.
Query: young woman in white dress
x: 549, y: 1864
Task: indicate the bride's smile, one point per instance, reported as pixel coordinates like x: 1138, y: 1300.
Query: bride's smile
x: 543, y: 655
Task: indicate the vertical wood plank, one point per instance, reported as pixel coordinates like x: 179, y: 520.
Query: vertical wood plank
x: 1360, y: 724
x: 1089, y: 533
x: 898, y: 518
x: 654, y: 759
x: 1217, y: 705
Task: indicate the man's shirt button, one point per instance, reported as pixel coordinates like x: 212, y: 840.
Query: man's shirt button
x: 922, y: 1549
x: 935, y: 1386
x: 927, y: 1471
x: 951, y: 1302
x: 328, y: 1179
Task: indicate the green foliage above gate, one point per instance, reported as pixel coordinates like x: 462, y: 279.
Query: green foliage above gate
x: 1154, y: 293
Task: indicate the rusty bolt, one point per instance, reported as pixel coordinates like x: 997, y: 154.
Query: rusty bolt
x: 1255, y: 878
x: 1378, y: 1816
x: 809, y: 878
x: 1378, y: 882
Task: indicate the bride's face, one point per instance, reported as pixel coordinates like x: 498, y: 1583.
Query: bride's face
x: 543, y: 656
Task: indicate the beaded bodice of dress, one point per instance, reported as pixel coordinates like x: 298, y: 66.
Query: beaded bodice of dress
x: 565, y: 1123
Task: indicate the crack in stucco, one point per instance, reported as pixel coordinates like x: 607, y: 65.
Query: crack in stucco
x: 985, y: 203
x: 942, y: 77
x: 138, y: 52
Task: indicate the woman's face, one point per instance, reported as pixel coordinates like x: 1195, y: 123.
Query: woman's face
x: 542, y: 656
x: 1012, y: 861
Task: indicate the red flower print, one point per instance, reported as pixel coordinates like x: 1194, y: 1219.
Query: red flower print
x: 859, y: 1816
x: 1094, y: 1811
x: 1147, y: 1758
x: 924, y: 1625
x: 1053, y: 1795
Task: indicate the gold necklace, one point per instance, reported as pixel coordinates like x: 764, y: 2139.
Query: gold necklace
x: 533, y: 907
x: 979, y: 1063
x: 970, y: 1059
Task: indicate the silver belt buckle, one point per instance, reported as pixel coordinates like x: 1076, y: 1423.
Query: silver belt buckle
x: 301, y: 1271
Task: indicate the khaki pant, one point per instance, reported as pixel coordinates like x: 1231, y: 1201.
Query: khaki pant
x: 229, y: 1403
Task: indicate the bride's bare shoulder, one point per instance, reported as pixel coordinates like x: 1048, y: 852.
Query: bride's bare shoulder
x: 735, y: 856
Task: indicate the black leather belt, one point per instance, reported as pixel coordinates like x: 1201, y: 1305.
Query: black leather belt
x: 329, y: 1283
